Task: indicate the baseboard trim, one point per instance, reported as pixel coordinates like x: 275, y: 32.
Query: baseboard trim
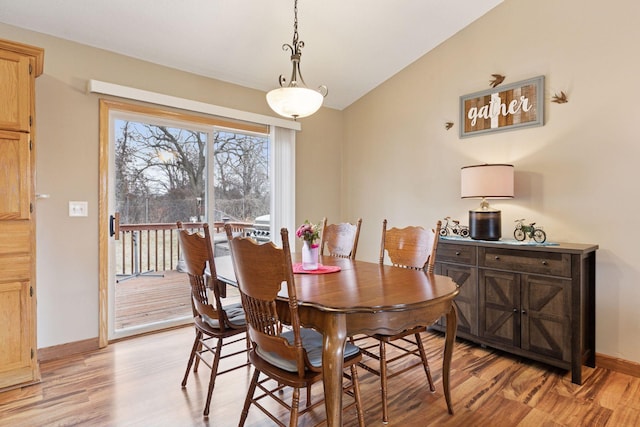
x: 618, y: 365
x: 69, y: 349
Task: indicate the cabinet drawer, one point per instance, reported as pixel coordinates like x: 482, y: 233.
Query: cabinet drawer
x: 461, y: 254
x: 549, y: 263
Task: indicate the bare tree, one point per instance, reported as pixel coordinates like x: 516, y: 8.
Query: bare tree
x: 241, y: 173
x: 161, y: 173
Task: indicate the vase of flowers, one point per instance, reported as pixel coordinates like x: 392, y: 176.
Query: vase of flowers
x: 310, y: 234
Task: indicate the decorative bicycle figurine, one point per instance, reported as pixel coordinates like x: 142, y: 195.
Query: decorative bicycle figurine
x: 456, y: 228
x: 535, y: 233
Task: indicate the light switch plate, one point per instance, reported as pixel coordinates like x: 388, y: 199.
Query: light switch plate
x: 78, y: 208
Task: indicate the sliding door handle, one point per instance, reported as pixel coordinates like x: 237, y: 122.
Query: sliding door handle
x: 114, y: 225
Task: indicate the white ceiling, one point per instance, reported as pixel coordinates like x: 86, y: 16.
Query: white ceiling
x: 351, y: 46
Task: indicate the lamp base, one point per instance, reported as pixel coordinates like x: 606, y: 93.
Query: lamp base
x: 485, y: 225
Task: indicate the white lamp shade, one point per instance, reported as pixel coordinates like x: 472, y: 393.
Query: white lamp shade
x: 294, y: 102
x: 487, y: 181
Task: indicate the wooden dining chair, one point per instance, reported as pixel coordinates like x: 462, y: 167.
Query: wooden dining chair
x: 340, y: 240
x: 216, y: 326
x: 414, y: 248
x: 287, y: 357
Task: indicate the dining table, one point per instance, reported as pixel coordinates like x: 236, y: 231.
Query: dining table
x: 364, y: 298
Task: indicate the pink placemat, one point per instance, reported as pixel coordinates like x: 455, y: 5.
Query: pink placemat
x: 322, y: 269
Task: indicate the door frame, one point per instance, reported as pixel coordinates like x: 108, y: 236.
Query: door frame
x: 106, y: 106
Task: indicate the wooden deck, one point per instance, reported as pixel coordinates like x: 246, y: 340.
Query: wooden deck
x: 147, y: 299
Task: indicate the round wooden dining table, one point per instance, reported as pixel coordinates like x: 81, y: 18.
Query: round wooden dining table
x: 365, y: 298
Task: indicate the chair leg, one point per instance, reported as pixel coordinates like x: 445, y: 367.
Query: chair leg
x: 425, y: 362
x: 355, y: 383
x: 295, y: 403
x: 247, y: 401
x: 193, y: 355
x: 212, y: 378
x: 383, y: 382
x: 198, y: 350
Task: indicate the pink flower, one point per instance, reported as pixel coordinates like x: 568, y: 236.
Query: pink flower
x: 309, y: 232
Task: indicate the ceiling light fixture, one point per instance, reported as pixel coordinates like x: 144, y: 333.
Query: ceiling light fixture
x: 295, y: 100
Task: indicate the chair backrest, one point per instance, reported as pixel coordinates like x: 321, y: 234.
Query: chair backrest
x: 340, y: 240
x: 260, y: 271
x: 201, y: 269
x: 410, y: 247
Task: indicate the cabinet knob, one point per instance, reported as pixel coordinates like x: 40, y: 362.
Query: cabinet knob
x: 544, y: 262
x: 515, y: 310
x: 457, y: 253
x: 524, y: 311
x: 497, y: 258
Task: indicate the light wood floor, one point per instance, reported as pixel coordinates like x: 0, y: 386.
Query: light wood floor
x: 136, y: 382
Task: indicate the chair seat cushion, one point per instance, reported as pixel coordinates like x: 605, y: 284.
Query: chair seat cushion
x: 312, y: 343
x: 235, y: 314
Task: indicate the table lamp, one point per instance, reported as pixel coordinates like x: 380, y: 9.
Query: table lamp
x: 486, y: 182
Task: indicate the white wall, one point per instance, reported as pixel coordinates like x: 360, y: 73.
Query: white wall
x: 577, y: 175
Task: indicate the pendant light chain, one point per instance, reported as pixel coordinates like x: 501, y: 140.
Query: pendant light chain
x: 294, y: 99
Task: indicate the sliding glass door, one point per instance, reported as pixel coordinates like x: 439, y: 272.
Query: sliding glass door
x: 168, y: 170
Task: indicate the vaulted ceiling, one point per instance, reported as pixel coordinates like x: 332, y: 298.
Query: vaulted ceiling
x: 351, y: 46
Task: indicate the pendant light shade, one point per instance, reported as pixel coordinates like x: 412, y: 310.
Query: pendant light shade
x: 294, y: 99
x: 294, y: 102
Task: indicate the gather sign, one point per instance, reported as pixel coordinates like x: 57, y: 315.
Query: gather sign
x: 503, y: 108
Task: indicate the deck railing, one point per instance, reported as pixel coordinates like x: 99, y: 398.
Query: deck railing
x: 153, y: 248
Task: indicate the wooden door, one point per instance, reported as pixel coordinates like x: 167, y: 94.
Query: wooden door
x: 15, y: 90
x: 466, y: 301
x: 15, y: 176
x: 546, y: 316
x: 17, y: 304
x: 499, y: 302
x: 19, y: 66
x: 16, y: 352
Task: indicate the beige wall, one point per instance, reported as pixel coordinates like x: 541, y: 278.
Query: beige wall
x: 389, y: 155
x: 577, y: 175
x: 67, y: 168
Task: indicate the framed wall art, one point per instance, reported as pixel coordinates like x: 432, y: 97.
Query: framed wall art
x: 507, y: 107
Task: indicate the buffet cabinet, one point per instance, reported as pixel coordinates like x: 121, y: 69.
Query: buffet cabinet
x: 19, y: 66
x: 536, y: 301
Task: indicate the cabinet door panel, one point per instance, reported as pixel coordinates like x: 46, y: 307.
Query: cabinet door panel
x: 15, y: 89
x: 546, y: 321
x: 466, y: 301
x: 15, y: 334
x: 15, y: 237
x: 15, y: 184
x: 499, y: 303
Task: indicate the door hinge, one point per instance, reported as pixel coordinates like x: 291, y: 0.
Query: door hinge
x: 30, y: 145
x: 30, y: 120
x: 32, y: 353
x: 30, y: 69
x: 30, y: 207
x: 30, y: 291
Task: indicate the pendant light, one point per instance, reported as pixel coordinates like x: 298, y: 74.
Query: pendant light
x: 295, y: 100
